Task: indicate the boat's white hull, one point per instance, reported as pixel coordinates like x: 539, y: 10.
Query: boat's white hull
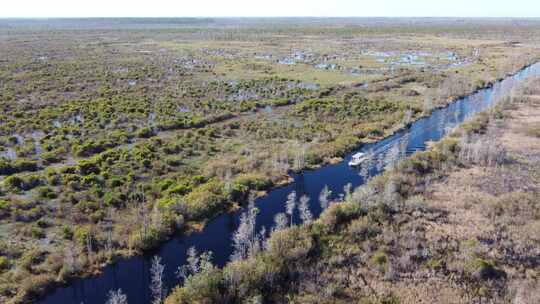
x: 357, y: 162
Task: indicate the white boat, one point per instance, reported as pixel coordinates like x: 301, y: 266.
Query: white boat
x: 357, y: 159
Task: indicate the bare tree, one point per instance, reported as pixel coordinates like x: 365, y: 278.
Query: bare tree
x: 365, y: 195
x: 89, y: 247
x: 403, y: 144
x: 391, y: 196
x: 139, y: 200
x: 109, y: 227
x: 305, y: 213
x: 258, y: 243
x: 241, y: 238
x: 347, y: 190
x: 280, y: 221
x: 324, y: 197
x: 195, y: 264
x: 71, y: 264
x: 116, y: 297
x: 300, y: 158
x: 407, y: 117
x: 245, y: 237
x: 367, y: 165
x: 428, y: 104
x: 228, y: 179
x: 391, y: 157
x: 157, y: 218
x: 156, y: 280
x: 290, y: 205
x: 192, y: 265
x: 380, y: 162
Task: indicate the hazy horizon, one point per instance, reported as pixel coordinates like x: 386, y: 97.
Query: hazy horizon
x: 271, y: 9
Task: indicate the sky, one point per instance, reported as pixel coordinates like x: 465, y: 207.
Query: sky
x: 269, y: 8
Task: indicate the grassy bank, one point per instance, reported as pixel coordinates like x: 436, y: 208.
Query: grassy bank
x: 457, y: 217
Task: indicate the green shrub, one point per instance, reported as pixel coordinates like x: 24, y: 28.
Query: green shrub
x: 4, y: 263
x: 148, y: 240
x: 166, y: 183
x: 485, y: 270
x: 361, y: 229
x: 86, y: 207
x: 31, y: 258
x: 41, y: 223
x: 21, y: 165
x: 114, y: 199
x: 50, y: 158
x: 17, y: 183
x: 238, y: 192
x: 173, y: 161
x: 91, y: 180
x: 97, y: 216
x: 81, y: 235
x: 37, y: 286
x: 67, y: 233
x: 32, y: 181
x: 92, y: 147
x: 6, y: 168
x: 46, y: 192
x: 206, y: 200
x: 476, y: 126
x: 145, y: 132
x: 254, y: 181
x: 182, y: 188
x: 202, y: 288
x: 14, y: 183
x: 533, y: 130
x: 87, y: 167
x: 5, y: 209
x: 435, y: 264
x: 290, y: 245
x: 37, y: 232
x: 390, y: 299
x: 116, y: 182
x: 380, y: 258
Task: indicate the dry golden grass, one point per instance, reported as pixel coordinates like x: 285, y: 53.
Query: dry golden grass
x: 494, y: 211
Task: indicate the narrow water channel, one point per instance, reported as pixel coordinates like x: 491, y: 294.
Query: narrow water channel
x: 132, y: 274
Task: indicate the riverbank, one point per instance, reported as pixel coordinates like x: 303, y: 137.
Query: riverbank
x: 453, y: 217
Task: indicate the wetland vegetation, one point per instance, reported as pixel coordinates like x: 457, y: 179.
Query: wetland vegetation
x: 462, y: 217
x: 117, y: 134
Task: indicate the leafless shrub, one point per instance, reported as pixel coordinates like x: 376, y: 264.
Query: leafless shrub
x: 391, y: 196
x: 347, y: 190
x: 290, y: 205
x: 156, y: 280
x: 117, y: 297
x: 280, y: 222
x: 526, y: 292
x: 365, y: 195
x: 245, y: 240
x: 195, y: 263
x: 305, y: 213
x: 324, y: 197
x: 485, y: 151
